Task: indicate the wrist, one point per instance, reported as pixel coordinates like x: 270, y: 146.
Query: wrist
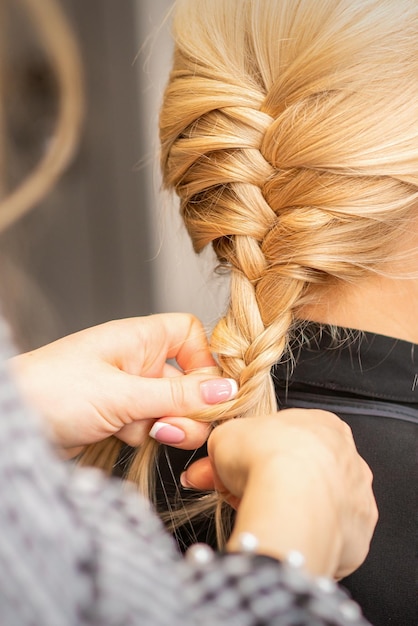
x: 288, y: 506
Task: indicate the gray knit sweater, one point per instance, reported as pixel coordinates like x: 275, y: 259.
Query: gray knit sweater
x: 78, y: 549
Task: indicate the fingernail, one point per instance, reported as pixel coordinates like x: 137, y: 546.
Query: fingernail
x: 219, y: 390
x: 185, y: 483
x: 166, y: 433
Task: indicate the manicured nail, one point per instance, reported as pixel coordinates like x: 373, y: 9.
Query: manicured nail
x: 166, y: 433
x: 219, y: 390
x: 184, y: 482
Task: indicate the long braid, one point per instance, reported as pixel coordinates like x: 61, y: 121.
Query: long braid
x: 221, y: 192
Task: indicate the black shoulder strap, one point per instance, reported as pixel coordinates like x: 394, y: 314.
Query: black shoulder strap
x: 351, y: 406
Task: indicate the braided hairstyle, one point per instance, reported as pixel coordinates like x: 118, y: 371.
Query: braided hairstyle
x: 289, y: 132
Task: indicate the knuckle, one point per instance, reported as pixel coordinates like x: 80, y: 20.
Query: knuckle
x: 177, y: 394
x: 375, y: 513
x: 367, y: 470
x: 346, y: 429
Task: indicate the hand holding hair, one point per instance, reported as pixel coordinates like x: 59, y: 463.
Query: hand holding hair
x: 114, y: 379
x: 301, y: 468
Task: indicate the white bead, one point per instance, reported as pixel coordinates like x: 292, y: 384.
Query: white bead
x: 200, y: 553
x: 325, y: 584
x: 295, y: 559
x: 350, y: 610
x: 247, y: 542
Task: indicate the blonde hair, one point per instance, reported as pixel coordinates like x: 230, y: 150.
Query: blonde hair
x: 57, y: 39
x: 289, y: 131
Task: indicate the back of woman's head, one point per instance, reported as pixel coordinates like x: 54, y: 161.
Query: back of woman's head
x: 289, y: 130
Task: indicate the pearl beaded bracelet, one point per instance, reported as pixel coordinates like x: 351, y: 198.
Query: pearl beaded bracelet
x: 325, y: 599
x: 248, y: 543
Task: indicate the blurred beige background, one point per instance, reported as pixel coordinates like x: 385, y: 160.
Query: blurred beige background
x: 107, y: 243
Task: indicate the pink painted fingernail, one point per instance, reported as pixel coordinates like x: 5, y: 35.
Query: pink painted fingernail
x: 219, y: 390
x: 166, y: 433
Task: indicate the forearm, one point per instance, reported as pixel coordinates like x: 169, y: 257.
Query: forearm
x: 76, y: 547
x: 298, y: 515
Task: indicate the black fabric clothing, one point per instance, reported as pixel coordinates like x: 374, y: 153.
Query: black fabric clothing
x: 370, y: 381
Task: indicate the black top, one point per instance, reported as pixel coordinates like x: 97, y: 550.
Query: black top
x: 347, y: 371
x: 360, y: 364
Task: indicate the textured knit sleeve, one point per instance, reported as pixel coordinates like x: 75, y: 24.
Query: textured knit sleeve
x: 78, y: 549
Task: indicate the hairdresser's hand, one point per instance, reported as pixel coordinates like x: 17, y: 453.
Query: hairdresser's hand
x: 114, y: 379
x: 298, y: 483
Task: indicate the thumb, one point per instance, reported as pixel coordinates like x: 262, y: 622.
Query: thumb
x: 202, y: 476
x: 199, y: 475
x: 178, y: 396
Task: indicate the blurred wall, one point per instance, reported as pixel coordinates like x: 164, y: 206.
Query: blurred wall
x: 182, y: 281
x: 106, y: 243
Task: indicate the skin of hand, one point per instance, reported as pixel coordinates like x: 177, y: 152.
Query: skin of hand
x: 298, y: 483
x: 114, y: 379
